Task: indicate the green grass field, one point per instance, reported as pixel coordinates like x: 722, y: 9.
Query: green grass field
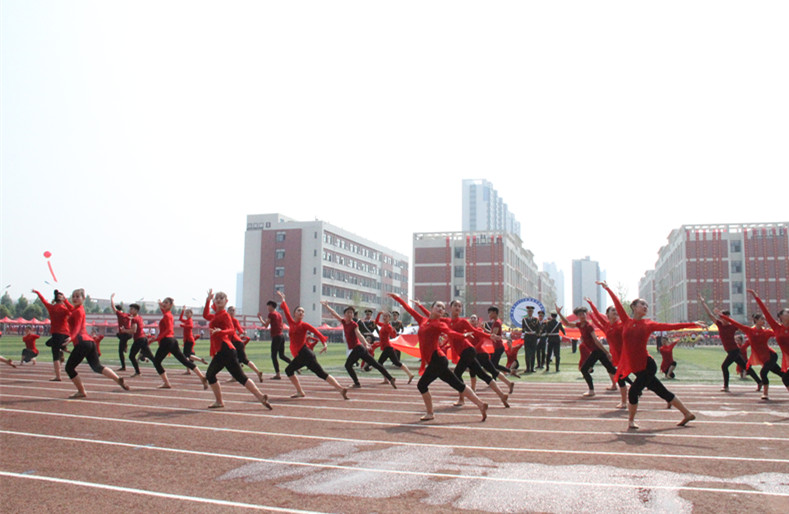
x: 698, y: 365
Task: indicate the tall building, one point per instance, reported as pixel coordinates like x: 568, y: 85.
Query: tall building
x: 479, y: 268
x: 314, y: 261
x: 586, y: 274
x: 558, y: 279
x: 721, y: 262
x: 485, y: 211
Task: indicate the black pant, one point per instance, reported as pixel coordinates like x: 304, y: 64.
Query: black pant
x: 278, y: 349
x: 28, y: 355
x: 734, y: 356
x: 360, y: 352
x: 646, y: 379
x: 553, y: 350
x: 530, y: 349
x: 123, y: 340
x: 56, y: 342
x: 484, y: 360
x: 83, y: 350
x: 306, y: 357
x: 166, y: 346
x: 438, y: 367
x: 241, y: 351
x: 772, y: 365
x: 139, y: 346
x: 189, y: 348
x: 495, y: 357
x: 541, y: 343
x: 391, y: 354
x: 468, y: 359
x: 590, y: 361
x: 226, y: 358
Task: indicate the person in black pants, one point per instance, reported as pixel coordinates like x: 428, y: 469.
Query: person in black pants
x: 140, y: 344
x: 542, y: 340
x: 531, y: 330
x: 124, y: 321
x: 274, y: 322
x: 551, y: 329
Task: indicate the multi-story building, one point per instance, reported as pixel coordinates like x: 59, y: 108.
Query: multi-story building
x: 485, y: 211
x: 558, y: 279
x: 586, y: 274
x: 313, y: 261
x: 480, y: 268
x: 721, y: 262
x: 547, y: 292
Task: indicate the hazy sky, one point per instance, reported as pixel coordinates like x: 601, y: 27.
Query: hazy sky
x: 137, y: 135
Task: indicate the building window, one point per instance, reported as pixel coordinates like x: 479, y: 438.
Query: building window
x: 736, y: 246
x: 314, y: 271
x: 279, y: 271
x: 279, y: 287
x: 459, y: 272
x: 736, y: 267
x: 280, y: 253
x: 314, y: 289
x: 738, y: 309
x: 280, y: 237
x: 268, y: 224
x: 459, y: 253
x: 736, y: 288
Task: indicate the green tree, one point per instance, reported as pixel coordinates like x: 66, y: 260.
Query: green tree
x: 5, y: 313
x: 7, y: 302
x: 21, y: 305
x: 32, y: 311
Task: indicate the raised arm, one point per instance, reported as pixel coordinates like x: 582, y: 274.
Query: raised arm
x: 422, y: 308
x: 597, y: 317
x: 207, y: 310
x: 564, y: 320
x: 43, y: 300
x: 333, y: 313
x: 774, y: 324
x: 418, y: 317
x: 620, y: 309
x: 181, y: 317
x: 707, y: 309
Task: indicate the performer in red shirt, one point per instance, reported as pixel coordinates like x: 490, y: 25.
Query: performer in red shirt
x: 485, y: 359
x: 301, y: 351
x: 84, y: 348
x: 761, y: 353
x: 124, y: 322
x: 467, y: 354
x: 781, y: 329
x: 636, y: 359
x: 97, y: 338
x: 430, y: 329
x: 358, y: 345
x: 241, y: 345
x: 726, y: 332
x: 140, y: 344
x: 667, y: 363
x: 168, y: 345
x: 187, y: 324
x: 223, y: 352
x: 611, y: 325
x: 30, y: 351
x: 596, y: 349
x: 274, y: 323
x: 59, y: 311
x: 743, y: 346
x: 385, y: 333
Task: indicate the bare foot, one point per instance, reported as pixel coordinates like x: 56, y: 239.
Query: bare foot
x: 165, y: 386
x: 589, y: 393
x: 122, y: 383
x: 632, y: 426
x: 135, y: 375
x: 612, y: 388
x: 260, y: 377
x: 687, y: 419
x: 427, y: 417
x: 393, y: 383
x: 504, y: 401
x: 205, y: 382
x: 724, y: 389
x: 512, y: 386
x: 265, y: 402
x: 357, y: 386
x: 765, y: 398
x: 344, y: 393
x: 458, y: 404
x: 53, y: 379
x: 187, y: 372
x: 484, y: 411
x: 216, y: 405
x: 298, y: 395
x: 621, y: 406
x: 410, y: 378
x: 78, y: 395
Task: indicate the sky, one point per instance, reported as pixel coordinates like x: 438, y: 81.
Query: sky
x: 137, y: 135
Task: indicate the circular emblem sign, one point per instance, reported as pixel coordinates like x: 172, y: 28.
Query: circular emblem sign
x: 518, y: 311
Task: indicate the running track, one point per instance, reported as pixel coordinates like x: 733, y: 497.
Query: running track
x: 152, y: 449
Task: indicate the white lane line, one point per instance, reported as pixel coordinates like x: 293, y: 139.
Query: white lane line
x: 397, y: 443
x: 390, y: 424
x: 509, y: 414
x: 385, y: 471
x: 143, y: 492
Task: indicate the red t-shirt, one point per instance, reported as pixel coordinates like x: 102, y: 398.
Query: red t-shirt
x: 166, y: 326
x: 58, y: 315
x: 187, y: 324
x: 220, y: 320
x: 349, y: 329
x: 587, y: 330
x: 635, y: 336
x: 124, y: 319
x: 98, y: 338
x: 385, y: 333
x: 76, y: 323
x: 139, y: 332
x: 495, y: 327
x: 298, y: 332
x: 726, y: 333
x: 667, y: 354
x: 275, y: 323
x: 30, y: 342
x: 760, y: 351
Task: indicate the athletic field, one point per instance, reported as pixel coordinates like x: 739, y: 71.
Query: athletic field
x: 553, y: 451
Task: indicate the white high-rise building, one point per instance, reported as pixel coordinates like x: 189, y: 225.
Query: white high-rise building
x: 485, y: 211
x: 586, y: 273
x: 558, y: 279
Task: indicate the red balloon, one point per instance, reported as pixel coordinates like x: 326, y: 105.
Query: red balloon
x: 47, y: 254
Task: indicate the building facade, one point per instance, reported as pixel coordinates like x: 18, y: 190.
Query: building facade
x: 586, y: 274
x: 479, y: 268
x: 485, y: 211
x: 313, y: 261
x: 558, y: 279
x: 721, y: 262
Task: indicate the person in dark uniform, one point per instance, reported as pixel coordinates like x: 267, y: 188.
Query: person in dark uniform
x: 551, y: 329
x: 531, y: 329
x: 368, y: 328
x: 542, y: 340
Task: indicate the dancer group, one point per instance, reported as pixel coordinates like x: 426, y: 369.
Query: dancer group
x: 442, y: 335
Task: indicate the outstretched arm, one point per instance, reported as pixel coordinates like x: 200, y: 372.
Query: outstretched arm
x: 418, y: 317
x: 707, y: 309
x: 207, y: 309
x: 334, y: 314
x: 769, y: 317
x: 620, y: 309
x: 564, y: 320
x: 597, y: 317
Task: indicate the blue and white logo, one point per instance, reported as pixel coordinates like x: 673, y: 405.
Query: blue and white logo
x: 518, y: 311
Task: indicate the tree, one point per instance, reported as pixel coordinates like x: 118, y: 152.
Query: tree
x: 7, y: 302
x: 5, y: 313
x: 33, y: 311
x: 21, y: 305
